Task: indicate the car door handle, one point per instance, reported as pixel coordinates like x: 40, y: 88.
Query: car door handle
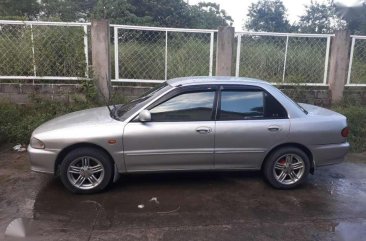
x: 204, y: 130
x: 273, y: 128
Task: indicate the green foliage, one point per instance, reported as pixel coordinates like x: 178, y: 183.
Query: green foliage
x: 58, y: 51
x: 167, y: 13
x: 355, y: 18
x: 118, y: 12
x: 16, y: 51
x: 208, y: 15
x: 18, y: 121
x: 320, y: 18
x: 356, y: 114
x: 15, y: 9
x: 145, y: 60
x: 263, y: 58
x: 67, y: 10
x: 267, y: 16
x: 90, y: 91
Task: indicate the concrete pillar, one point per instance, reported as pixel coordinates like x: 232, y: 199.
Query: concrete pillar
x: 101, y: 57
x: 224, y: 51
x: 339, y: 59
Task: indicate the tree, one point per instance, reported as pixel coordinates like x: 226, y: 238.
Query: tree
x: 15, y: 9
x: 209, y: 15
x: 267, y: 15
x: 167, y: 13
x: 320, y: 18
x: 67, y: 10
x: 118, y: 11
x: 355, y: 18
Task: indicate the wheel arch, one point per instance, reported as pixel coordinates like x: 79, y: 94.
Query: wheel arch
x: 72, y: 147
x: 297, y: 145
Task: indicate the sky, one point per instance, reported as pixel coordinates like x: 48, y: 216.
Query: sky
x: 238, y: 9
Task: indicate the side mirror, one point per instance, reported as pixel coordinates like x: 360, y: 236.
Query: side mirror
x: 145, y: 116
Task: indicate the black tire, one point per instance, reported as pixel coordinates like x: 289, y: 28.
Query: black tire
x: 271, y: 173
x: 94, y: 155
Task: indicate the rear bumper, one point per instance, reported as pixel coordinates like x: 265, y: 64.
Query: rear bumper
x: 42, y: 160
x: 329, y: 154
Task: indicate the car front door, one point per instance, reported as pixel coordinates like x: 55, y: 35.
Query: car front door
x: 180, y: 135
x: 250, y: 121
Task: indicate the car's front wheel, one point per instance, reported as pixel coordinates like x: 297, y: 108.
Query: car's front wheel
x: 286, y: 168
x: 86, y: 170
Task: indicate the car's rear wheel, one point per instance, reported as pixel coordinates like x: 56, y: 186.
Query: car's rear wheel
x: 86, y: 170
x: 286, y: 167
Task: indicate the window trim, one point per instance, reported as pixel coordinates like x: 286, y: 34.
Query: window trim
x: 246, y: 88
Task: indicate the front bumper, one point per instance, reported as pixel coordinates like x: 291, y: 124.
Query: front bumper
x: 42, y: 160
x: 329, y: 154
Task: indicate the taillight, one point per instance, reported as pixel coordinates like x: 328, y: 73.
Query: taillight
x: 345, y: 132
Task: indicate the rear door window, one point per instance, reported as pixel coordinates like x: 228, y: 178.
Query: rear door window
x: 252, y: 104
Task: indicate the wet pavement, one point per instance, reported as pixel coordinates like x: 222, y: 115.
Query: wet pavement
x: 331, y: 205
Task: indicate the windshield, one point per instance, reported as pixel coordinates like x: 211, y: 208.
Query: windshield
x: 123, y: 109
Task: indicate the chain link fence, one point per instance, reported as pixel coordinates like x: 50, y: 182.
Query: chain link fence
x: 60, y: 51
x: 157, y: 54
x: 283, y: 58
x: 357, y: 64
x: 35, y: 50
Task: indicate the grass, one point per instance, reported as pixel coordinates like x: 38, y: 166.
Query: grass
x: 356, y: 116
x: 18, y: 121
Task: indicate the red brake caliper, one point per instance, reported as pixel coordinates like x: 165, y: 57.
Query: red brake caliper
x: 282, y: 161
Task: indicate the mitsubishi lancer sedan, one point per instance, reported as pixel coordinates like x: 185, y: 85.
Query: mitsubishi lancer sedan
x: 192, y: 123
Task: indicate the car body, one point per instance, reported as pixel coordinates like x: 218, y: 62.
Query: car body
x: 195, y: 123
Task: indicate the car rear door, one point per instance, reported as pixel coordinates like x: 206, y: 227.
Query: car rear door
x: 180, y: 135
x: 250, y: 121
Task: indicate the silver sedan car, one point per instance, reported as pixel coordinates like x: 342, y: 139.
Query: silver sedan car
x: 194, y: 123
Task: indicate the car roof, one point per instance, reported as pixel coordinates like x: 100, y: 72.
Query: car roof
x: 195, y: 80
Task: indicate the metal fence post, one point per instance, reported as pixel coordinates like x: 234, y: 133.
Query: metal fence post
x: 212, y: 40
x: 326, y: 62
x: 101, y: 57
x: 166, y: 56
x: 33, y: 54
x: 224, y: 52
x: 285, y: 60
x: 237, y: 64
x: 351, y: 60
x: 116, y: 57
x: 338, y: 64
x: 86, y: 51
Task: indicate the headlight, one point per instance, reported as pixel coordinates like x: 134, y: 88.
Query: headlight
x: 36, y: 144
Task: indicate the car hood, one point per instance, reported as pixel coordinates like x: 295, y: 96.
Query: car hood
x: 88, y: 117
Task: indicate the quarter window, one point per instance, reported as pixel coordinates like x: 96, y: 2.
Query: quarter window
x: 191, y: 106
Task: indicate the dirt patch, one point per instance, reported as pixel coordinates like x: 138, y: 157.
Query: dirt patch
x: 13, y: 164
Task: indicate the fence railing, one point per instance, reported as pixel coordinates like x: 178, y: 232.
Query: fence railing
x: 283, y: 58
x: 44, y: 50
x: 357, y: 62
x: 151, y: 54
x: 61, y: 51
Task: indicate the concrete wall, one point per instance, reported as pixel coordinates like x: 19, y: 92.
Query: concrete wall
x: 22, y: 93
